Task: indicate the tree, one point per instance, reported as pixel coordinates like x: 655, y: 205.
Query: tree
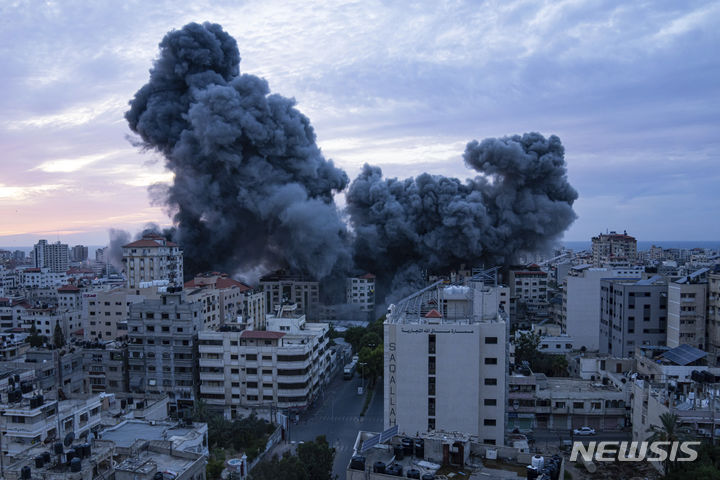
x: 313, y: 461
x: 526, y: 347
x: 35, y: 339
x: 58, y: 336
x: 669, y: 430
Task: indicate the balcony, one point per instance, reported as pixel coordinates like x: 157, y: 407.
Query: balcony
x: 207, y: 362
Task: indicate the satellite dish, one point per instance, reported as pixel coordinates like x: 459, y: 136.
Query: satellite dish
x: 69, y: 439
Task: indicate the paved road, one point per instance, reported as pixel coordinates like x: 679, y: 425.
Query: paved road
x: 337, y: 416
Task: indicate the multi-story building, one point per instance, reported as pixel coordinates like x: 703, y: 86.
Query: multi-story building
x: 45, y: 317
x: 665, y: 383
x: 107, y: 311
x: 79, y: 253
x: 34, y: 420
x: 580, y: 315
x: 282, y: 367
x: 162, y: 336
x: 69, y: 298
x: 235, y: 299
x: 105, y: 367
x: 38, y: 278
x: 446, y: 361
x: 281, y: 288
x: 687, y: 313
x: 11, y: 311
x: 528, y: 285
x: 360, y: 291
x: 53, y: 256
x: 632, y: 313
x: 713, y: 317
x: 153, y: 258
x: 58, y: 372
x: 613, y: 248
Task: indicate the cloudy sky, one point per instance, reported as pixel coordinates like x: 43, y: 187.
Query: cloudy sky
x: 631, y: 88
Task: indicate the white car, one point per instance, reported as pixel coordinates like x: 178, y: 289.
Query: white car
x: 584, y: 431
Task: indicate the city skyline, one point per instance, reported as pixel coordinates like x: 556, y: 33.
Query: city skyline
x: 634, y: 102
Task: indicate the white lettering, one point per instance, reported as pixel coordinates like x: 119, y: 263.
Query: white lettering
x: 691, y: 452
x: 586, y: 453
x: 606, y: 448
x: 657, y: 448
x: 631, y: 454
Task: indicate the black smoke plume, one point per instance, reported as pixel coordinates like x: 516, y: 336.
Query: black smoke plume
x: 251, y: 186
x: 252, y: 190
x: 522, y: 202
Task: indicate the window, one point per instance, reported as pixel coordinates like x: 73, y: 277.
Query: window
x: 431, y: 344
x: 489, y: 422
x: 491, y: 381
x: 490, y: 402
x: 491, y: 340
x: 559, y: 404
x: 490, y: 361
x: 578, y: 404
x: 431, y: 424
x: 489, y: 441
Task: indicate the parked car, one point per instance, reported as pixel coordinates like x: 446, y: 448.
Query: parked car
x: 584, y: 431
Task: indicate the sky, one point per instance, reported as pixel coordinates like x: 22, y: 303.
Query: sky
x: 631, y: 88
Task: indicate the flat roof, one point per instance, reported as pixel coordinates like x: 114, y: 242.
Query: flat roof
x: 127, y: 433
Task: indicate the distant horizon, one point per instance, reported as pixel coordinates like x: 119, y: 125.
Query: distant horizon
x: 642, y: 244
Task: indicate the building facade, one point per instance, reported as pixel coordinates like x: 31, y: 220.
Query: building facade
x: 152, y: 258
x: 281, y: 288
x: 446, y: 362
x: 686, y: 313
x: 53, y: 256
x: 162, y: 348
x: 613, y: 248
x: 360, y: 291
x: 632, y: 313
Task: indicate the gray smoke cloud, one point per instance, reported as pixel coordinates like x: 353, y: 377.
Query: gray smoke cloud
x: 251, y: 186
x: 521, y: 202
x: 252, y: 190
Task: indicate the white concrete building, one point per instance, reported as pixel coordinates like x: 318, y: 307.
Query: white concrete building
x: 281, y: 288
x: 713, y: 318
x: 53, y: 256
x: 39, y: 278
x: 686, y: 311
x: 613, y: 248
x: 281, y: 367
x: 581, y: 302
x: 153, y: 258
x: 361, y: 291
x: 446, y: 362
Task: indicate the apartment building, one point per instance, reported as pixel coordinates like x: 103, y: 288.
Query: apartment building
x: 152, y: 258
x: 79, y: 253
x: 713, y: 317
x: 11, y: 310
x: 281, y: 287
x: 34, y: 420
x: 360, y: 291
x: 665, y: 383
x: 613, y: 248
x: 105, y: 366
x: 632, y: 313
x: 284, y: 366
x: 562, y: 403
x: 528, y: 285
x: 107, y: 311
x: 58, y: 372
x: 45, y: 317
x: 38, y: 278
x: 446, y: 361
x: 69, y: 298
x: 580, y: 315
x: 235, y: 299
x: 687, y: 310
x: 53, y: 256
x: 162, y: 336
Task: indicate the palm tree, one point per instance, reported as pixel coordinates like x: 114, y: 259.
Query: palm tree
x: 669, y: 431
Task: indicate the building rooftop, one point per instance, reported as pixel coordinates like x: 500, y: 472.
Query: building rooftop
x: 261, y: 334
x: 183, y: 437
x: 567, y: 384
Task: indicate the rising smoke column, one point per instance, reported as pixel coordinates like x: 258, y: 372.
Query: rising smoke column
x: 251, y: 187
x: 521, y: 202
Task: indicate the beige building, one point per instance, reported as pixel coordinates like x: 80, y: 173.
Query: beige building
x: 713, y: 318
x: 152, y: 258
x: 234, y: 299
x: 613, y: 248
x: 360, y: 291
x: 282, y: 288
x: 446, y: 362
x: 107, y: 311
x: 528, y: 285
x: 687, y: 312
x: 281, y: 367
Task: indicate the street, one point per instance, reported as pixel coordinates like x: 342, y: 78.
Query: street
x: 337, y: 416
x: 544, y: 438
